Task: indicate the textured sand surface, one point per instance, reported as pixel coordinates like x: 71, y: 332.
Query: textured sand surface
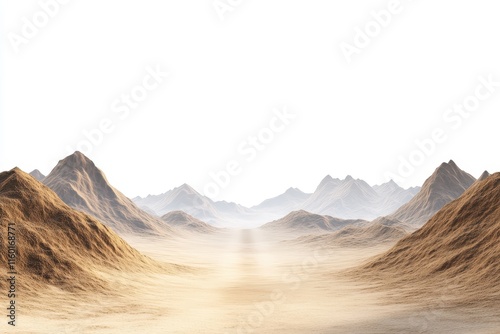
x: 247, y: 281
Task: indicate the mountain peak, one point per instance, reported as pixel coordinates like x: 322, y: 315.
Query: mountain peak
x: 18, y: 184
x: 186, y: 188
x: 77, y: 159
x: 83, y: 186
x: 328, y: 180
x: 37, y: 175
x: 448, y: 167
x: 292, y: 190
x: 447, y: 183
x: 484, y: 176
x: 349, y: 178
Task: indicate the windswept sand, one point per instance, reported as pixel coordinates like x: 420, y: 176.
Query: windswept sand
x: 245, y: 281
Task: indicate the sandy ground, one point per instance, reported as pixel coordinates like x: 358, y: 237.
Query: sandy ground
x: 245, y: 281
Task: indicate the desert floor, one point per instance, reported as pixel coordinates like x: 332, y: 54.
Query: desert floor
x: 245, y: 281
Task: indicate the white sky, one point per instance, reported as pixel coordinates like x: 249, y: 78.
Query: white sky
x: 227, y: 76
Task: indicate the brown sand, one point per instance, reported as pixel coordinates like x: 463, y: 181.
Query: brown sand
x: 57, y: 246
x: 457, y: 251
x: 246, y: 281
x: 182, y: 220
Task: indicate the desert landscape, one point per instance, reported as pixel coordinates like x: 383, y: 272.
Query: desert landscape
x: 90, y: 260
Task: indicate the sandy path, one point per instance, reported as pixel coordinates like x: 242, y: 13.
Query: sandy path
x: 246, y: 282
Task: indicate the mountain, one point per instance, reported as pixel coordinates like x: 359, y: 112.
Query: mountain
x: 303, y: 221
x: 373, y: 234
x: 484, y: 176
x: 188, y: 200
x: 459, y: 245
x: 81, y: 185
x: 37, y: 175
x: 183, y: 198
x: 447, y: 183
x: 353, y: 198
x: 57, y: 245
x: 284, y: 203
x: 393, y: 196
x: 184, y: 221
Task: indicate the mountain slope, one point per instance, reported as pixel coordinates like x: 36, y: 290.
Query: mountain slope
x: 188, y: 200
x: 355, y: 199
x: 447, y: 183
x: 37, y: 175
x: 460, y: 244
x: 55, y: 244
x: 303, y: 221
x: 184, y: 221
x: 373, y: 234
x: 81, y: 185
x: 484, y: 176
x: 284, y: 203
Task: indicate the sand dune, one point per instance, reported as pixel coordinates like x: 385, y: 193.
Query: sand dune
x: 306, y: 222
x: 373, y: 234
x: 81, y: 185
x: 78, y: 276
x: 57, y: 245
x: 458, y: 247
x: 446, y: 184
x: 184, y: 221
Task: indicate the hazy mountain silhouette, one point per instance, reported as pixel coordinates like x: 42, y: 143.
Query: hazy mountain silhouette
x: 37, y: 175
x: 353, y: 198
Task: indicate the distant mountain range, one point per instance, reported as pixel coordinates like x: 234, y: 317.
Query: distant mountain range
x: 80, y: 184
x: 346, y: 199
x: 353, y: 198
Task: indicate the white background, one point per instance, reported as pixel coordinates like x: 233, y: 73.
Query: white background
x: 226, y: 77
